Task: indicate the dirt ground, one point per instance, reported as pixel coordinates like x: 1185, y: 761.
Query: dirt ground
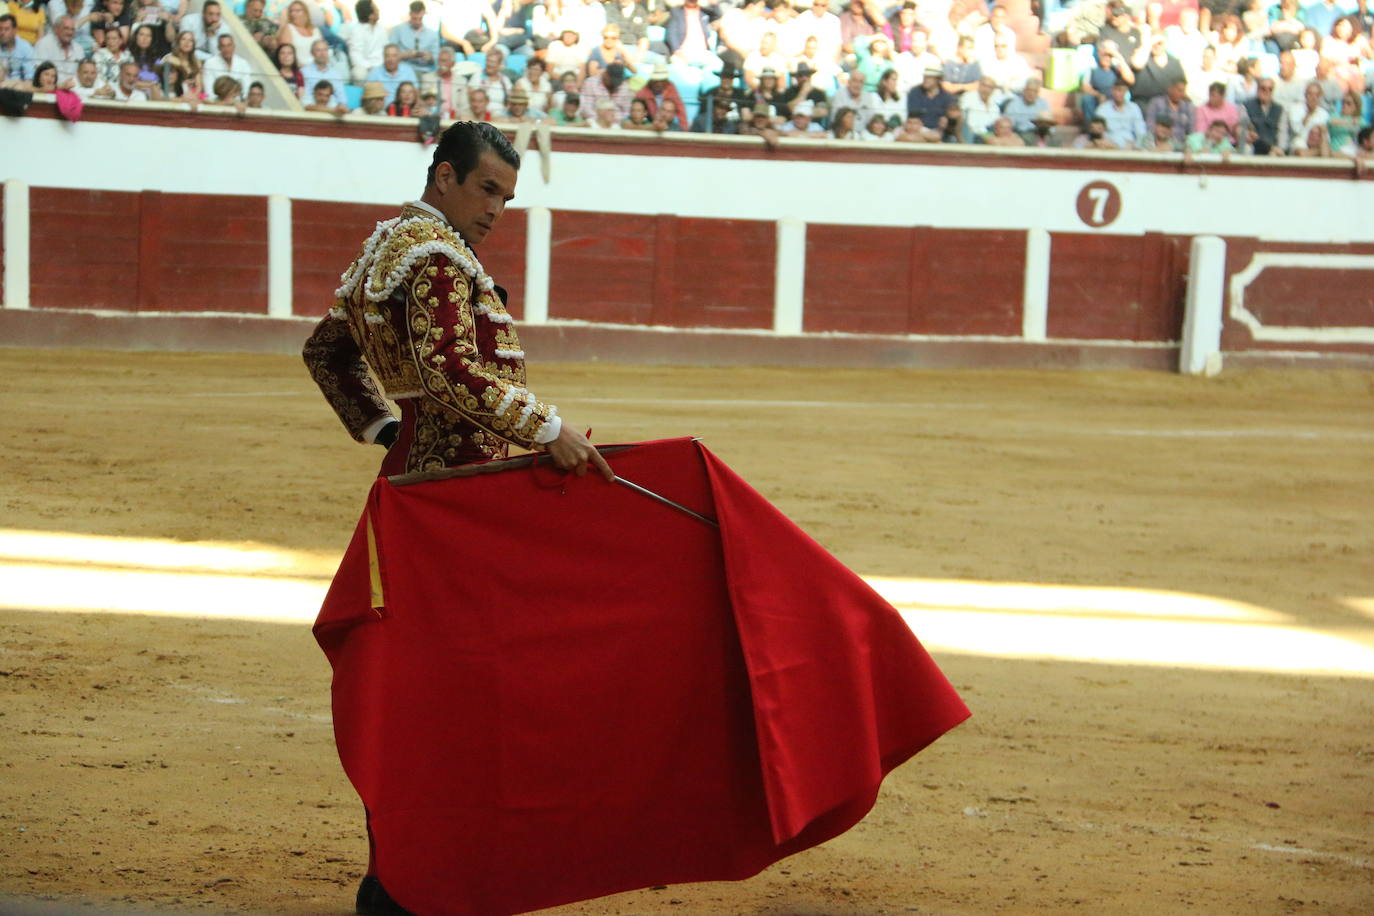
x: 177, y: 763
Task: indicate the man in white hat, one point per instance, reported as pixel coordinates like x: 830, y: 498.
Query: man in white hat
x: 659, y: 88
x: 767, y: 55
x: 802, y: 124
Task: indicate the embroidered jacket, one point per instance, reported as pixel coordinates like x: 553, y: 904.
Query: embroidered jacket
x: 417, y: 308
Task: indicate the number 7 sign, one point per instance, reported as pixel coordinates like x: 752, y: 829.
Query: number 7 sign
x: 1099, y: 204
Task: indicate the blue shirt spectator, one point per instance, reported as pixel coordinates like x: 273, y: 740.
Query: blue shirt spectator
x: 1125, y: 122
x: 1322, y: 15
x: 16, y: 54
x: 419, y: 45
x: 929, y: 101
x: 313, y: 72
x: 1024, y: 107
x: 393, y: 72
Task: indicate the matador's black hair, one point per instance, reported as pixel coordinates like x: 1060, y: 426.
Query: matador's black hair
x: 463, y: 144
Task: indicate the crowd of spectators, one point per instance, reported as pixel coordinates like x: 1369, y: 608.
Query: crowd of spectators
x: 1197, y: 76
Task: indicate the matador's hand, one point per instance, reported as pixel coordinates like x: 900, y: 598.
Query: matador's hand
x: 572, y: 452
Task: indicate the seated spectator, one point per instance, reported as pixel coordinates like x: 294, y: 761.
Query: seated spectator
x: 1175, y: 105
x: 902, y: 25
x: 451, y: 86
x: 1344, y: 125
x: 719, y: 117
x: 850, y: 94
x: 885, y: 100
x: 1285, y: 22
x: 148, y: 12
x: 108, y: 58
x: 606, y: 115
x: 639, y: 116
x: 1218, y: 109
x: 112, y: 14
x: 951, y: 128
x: 228, y: 92
x: 1288, y: 87
x: 143, y: 52
x: 1332, y: 88
x: 993, y: 30
x: 802, y: 124
x: 322, y: 100
x: 1185, y: 40
x: 1002, y: 134
x: 493, y: 78
x: 569, y: 114
x: 519, y: 111
x: 403, y: 104
x: 1364, y: 145
x: 690, y: 36
x: 658, y: 90
x: 962, y: 72
x: 1125, y: 122
x: 44, y: 79
x: 59, y: 46
x: 858, y: 21
x: 929, y: 100
x: 1306, y: 55
x: 1095, y: 137
x: 980, y: 109
x: 667, y: 117
x: 367, y: 41
x: 298, y: 29
x: 610, y: 51
x: 1007, y: 68
x: 479, y: 105
x: 373, y: 101
x: 16, y: 54
x: 842, y: 125
x: 634, y: 19
x: 1311, y: 114
x: 765, y: 57
x: 913, y: 62
x: 1321, y: 15
x: 1096, y: 87
x: 1161, y: 138
x: 263, y: 30
x: 285, y: 61
x: 568, y: 84
x: 567, y: 54
x: 1232, y: 44
x: 207, y: 25
x: 609, y: 84
x: 1207, y: 73
x: 878, y: 59
x: 1025, y: 108
x: 914, y: 131
x: 31, y: 20
x: 802, y: 90
x: 419, y: 45
x: 182, y: 70
x: 825, y: 74
x: 1264, y: 129
x: 319, y: 67
x: 256, y: 95
x: 1215, y: 139
x: 876, y: 129
x: 474, y: 26
x: 88, y: 83
x: 228, y: 63
x: 130, y: 87
x: 536, y: 84
x: 392, y: 72
x: 1347, y: 49
x: 1159, y: 71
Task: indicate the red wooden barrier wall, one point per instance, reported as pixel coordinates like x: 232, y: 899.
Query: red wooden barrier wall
x: 1115, y: 287
x: 503, y: 257
x: 879, y: 280
x: 1310, y: 297
x: 662, y: 270
x: 148, y: 251
x: 325, y: 238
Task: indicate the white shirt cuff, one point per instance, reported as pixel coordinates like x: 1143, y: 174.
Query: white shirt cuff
x: 550, y: 431
x: 373, y: 428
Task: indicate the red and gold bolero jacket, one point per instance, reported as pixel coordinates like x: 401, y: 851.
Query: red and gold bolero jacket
x: 417, y: 308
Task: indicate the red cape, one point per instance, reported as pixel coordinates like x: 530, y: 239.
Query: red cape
x: 572, y: 691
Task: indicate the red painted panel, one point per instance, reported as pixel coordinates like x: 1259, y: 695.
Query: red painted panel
x: 83, y: 248
x: 721, y: 273
x: 213, y: 253
x: 857, y: 279
x: 325, y: 238
x: 602, y: 267
x: 1107, y: 287
x: 870, y: 280
x: 1311, y: 297
x: 503, y: 257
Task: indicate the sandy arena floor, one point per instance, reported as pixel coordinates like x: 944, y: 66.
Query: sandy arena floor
x: 1170, y: 662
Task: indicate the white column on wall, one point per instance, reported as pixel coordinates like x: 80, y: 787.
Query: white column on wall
x: 789, y: 276
x: 1200, y: 351
x: 1035, y: 293
x: 279, y: 267
x: 538, y: 250
x: 16, y: 291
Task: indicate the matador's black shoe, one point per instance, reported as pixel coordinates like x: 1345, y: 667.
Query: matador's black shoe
x: 373, y: 900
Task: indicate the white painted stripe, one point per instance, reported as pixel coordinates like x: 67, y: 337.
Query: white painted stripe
x: 1035, y: 291
x: 1234, y: 433
x: 16, y: 235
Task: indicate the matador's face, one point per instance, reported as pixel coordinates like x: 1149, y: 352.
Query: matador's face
x: 475, y: 206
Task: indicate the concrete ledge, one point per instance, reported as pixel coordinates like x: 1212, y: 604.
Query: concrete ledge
x: 575, y: 342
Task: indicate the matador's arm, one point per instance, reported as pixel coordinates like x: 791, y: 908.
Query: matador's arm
x: 337, y: 366
x: 439, y: 316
